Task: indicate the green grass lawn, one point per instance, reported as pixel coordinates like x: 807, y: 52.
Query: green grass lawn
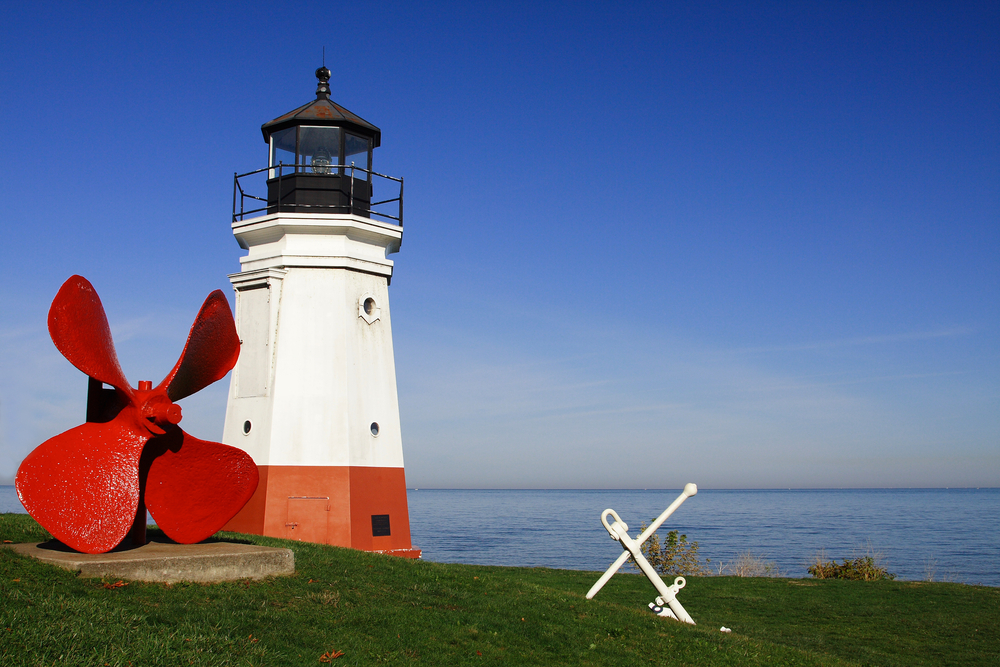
x: 378, y: 609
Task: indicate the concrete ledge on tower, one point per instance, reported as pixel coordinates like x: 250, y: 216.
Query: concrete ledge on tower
x: 401, y: 553
x: 287, y: 240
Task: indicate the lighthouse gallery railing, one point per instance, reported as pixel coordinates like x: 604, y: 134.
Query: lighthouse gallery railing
x: 241, y: 196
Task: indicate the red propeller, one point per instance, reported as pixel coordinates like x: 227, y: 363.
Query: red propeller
x: 88, y: 485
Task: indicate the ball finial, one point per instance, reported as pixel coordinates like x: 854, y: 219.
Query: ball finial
x: 323, y: 88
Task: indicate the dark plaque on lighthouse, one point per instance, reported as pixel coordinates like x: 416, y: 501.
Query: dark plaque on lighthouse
x: 380, y: 525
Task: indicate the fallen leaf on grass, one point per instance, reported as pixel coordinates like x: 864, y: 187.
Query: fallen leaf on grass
x: 330, y: 655
x: 117, y: 584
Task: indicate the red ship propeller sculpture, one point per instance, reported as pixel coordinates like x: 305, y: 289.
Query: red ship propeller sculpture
x: 90, y: 485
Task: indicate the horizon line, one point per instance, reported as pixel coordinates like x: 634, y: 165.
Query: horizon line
x: 760, y: 488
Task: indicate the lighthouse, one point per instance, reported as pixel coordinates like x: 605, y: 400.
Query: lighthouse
x: 313, y: 396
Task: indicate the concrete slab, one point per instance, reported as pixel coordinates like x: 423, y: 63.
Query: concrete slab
x: 168, y: 562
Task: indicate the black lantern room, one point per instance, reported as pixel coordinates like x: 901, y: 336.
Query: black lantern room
x: 320, y: 157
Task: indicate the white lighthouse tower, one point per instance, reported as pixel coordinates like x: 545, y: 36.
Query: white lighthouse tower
x: 313, y: 396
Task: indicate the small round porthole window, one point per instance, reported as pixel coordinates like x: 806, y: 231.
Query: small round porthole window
x: 368, y: 308
x: 375, y: 428
x: 246, y: 427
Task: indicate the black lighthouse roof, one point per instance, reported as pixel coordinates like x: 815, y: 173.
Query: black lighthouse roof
x: 324, y: 112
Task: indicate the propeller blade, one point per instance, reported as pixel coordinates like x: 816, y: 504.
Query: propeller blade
x: 194, y: 487
x: 83, y: 485
x: 79, y: 328
x: 210, y: 352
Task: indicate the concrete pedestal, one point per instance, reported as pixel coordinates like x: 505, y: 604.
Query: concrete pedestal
x: 167, y: 562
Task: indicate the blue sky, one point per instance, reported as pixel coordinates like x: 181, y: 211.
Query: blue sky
x: 739, y: 245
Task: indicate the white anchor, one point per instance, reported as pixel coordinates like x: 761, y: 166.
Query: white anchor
x: 667, y: 603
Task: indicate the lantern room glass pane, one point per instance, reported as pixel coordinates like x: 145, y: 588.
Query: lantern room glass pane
x: 357, y: 150
x: 319, y: 149
x: 282, y: 150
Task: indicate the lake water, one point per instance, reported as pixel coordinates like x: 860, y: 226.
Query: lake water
x: 951, y: 534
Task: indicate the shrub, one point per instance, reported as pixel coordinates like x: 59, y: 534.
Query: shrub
x: 675, y: 556
x: 748, y: 564
x: 865, y: 567
x: 931, y: 573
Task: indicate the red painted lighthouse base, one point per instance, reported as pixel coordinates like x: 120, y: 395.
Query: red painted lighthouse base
x: 346, y: 506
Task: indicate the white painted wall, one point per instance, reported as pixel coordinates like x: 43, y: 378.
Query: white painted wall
x: 314, y: 373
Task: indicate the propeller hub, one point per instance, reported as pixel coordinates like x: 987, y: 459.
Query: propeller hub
x: 158, y: 411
